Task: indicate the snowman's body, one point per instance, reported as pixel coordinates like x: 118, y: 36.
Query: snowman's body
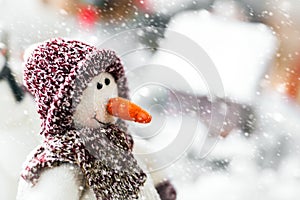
x: 66, y: 183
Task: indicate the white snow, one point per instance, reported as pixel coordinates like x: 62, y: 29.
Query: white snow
x: 19, y: 128
x: 243, y: 178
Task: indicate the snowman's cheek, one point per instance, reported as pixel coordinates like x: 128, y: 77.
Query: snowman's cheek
x: 83, y: 114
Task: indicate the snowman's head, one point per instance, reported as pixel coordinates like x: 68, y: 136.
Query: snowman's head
x: 77, y: 84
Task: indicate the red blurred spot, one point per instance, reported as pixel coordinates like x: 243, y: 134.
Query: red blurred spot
x: 88, y: 16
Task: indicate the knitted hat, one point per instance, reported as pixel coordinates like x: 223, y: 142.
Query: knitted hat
x: 56, y: 73
x: 59, y: 70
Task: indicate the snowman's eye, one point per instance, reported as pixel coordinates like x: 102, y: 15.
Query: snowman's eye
x: 106, y: 81
x: 99, y: 86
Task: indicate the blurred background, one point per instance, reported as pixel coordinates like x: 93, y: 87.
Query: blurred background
x: 255, y: 46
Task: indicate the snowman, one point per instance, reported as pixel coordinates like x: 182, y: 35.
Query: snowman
x: 82, y: 95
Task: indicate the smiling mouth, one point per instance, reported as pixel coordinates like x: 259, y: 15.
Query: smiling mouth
x: 97, y: 120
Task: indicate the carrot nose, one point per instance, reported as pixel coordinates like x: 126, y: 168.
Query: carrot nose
x: 125, y: 109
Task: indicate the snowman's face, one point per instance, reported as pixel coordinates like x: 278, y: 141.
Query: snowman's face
x: 91, y: 111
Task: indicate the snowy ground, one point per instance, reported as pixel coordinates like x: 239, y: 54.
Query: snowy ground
x: 19, y: 128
